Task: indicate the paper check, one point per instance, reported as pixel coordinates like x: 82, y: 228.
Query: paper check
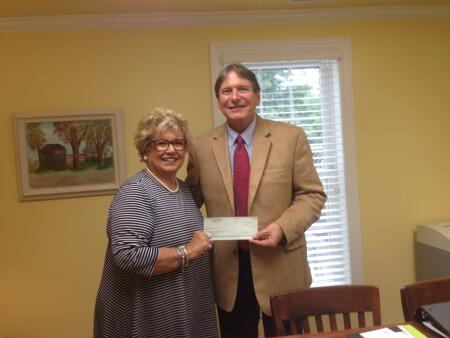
x: 231, y: 228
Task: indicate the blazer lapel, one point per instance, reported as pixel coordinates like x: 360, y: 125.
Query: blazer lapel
x: 261, y: 147
x: 220, y: 151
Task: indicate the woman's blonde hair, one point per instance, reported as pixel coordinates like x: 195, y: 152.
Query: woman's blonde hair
x: 156, y: 123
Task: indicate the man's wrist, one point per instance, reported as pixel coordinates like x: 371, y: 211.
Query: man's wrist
x: 283, y: 239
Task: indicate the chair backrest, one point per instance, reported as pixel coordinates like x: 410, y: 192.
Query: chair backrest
x: 422, y: 293
x: 291, y: 309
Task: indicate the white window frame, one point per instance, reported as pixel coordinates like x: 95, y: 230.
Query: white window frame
x: 223, y: 53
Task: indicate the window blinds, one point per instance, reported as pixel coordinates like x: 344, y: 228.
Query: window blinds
x: 307, y: 94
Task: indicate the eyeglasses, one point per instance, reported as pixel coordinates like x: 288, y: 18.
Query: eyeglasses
x: 162, y: 145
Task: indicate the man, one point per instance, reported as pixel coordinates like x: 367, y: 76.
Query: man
x: 255, y: 167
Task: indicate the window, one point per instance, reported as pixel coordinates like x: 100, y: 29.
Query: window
x: 308, y: 83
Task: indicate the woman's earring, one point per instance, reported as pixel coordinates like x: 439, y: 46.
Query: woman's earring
x: 145, y: 158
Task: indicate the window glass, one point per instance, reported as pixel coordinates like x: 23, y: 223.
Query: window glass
x: 307, y: 94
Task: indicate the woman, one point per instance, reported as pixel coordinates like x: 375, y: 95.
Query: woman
x: 156, y: 280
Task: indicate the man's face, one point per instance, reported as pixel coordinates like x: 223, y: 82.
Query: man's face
x: 238, y: 101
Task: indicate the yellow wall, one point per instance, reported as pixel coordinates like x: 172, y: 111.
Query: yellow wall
x: 51, y: 252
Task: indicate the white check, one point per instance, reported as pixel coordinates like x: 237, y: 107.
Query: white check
x: 231, y: 228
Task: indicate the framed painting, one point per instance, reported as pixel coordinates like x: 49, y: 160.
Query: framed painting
x: 69, y: 153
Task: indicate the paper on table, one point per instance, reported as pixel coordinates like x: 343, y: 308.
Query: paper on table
x: 384, y: 333
x: 231, y: 228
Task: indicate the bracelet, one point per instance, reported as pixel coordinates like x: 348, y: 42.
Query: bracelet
x: 186, y: 261
x: 183, y: 258
x: 180, y: 257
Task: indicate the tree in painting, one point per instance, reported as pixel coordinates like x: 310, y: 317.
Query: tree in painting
x: 99, y: 135
x: 73, y: 133
x: 36, y: 139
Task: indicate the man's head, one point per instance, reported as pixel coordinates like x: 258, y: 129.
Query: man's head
x: 238, y: 94
x: 242, y: 71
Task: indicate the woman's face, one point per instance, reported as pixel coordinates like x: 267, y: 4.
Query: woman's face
x: 166, y: 162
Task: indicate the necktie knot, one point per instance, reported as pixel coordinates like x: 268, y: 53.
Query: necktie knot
x: 239, y: 140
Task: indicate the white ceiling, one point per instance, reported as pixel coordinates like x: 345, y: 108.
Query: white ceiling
x: 21, y: 8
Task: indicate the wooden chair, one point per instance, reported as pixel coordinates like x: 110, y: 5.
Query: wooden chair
x: 290, y: 310
x: 422, y: 293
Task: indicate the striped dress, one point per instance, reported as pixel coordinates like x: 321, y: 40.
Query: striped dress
x: 144, y: 216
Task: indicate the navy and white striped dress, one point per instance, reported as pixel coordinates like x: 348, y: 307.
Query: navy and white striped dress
x: 143, y: 217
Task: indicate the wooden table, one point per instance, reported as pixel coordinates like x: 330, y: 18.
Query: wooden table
x: 343, y: 333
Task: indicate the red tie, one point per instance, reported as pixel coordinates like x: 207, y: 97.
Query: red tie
x: 241, y: 174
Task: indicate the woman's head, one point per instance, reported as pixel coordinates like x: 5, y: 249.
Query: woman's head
x: 162, y: 139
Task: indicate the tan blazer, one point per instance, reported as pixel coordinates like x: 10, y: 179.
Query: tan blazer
x: 284, y: 188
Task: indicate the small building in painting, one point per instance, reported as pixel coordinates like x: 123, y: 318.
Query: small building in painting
x: 52, y: 157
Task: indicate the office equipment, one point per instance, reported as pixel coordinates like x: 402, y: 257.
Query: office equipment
x: 433, y: 250
x: 438, y: 315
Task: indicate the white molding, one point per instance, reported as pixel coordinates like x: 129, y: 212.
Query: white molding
x: 206, y: 19
x: 351, y: 165
x: 222, y: 53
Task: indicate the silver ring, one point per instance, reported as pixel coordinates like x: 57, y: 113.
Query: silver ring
x: 208, y: 234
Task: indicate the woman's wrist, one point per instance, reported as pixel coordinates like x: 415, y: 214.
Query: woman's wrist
x: 183, y: 257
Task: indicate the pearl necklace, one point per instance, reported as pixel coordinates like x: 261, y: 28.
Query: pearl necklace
x: 177, y: 188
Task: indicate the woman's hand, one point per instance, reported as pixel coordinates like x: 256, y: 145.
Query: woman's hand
x: 199, y: 244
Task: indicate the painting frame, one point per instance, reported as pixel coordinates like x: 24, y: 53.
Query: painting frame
x: 60, y: 170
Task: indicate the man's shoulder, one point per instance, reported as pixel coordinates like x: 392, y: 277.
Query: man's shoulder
x: 276, y: 127
x: 211, y: 134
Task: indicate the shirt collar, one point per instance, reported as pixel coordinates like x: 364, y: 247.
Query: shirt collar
x: 247, y: 134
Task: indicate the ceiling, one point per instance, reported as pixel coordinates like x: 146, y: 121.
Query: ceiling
x: 21, y: 8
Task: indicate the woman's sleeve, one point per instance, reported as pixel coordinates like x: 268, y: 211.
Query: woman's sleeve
x: 130, y: 227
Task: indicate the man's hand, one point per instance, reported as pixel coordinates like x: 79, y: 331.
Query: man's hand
x: 268, y: 237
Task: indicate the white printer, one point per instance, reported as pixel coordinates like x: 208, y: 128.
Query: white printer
x: 433, y: 251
